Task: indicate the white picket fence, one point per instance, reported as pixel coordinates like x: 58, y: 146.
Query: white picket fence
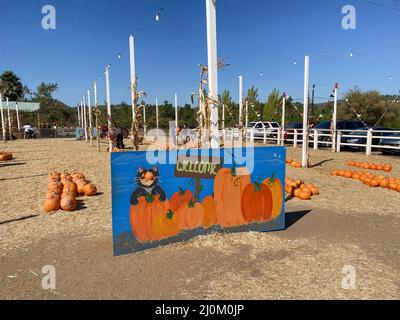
x: 317, y: 138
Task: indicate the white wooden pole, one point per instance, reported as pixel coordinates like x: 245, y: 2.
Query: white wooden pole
x: 97, y: 126
x: 85, y: 118
x: 3, y: 126
x: 79, y: 115
x: 176, y: 112
x: 107, y: 72
x: 246, y: 118
x: 82, y: 124
x: 90, y: 118
x: 283, y: 119
x: 144, y: 120
x: 157, y: 124
x: 240, y: 107
x: 9, y: 120
x: 95, y: 93
x: 16, y: 109
x: 304, y: 154
x: 212, y: 69
x: 133, y: 74
x: 334, y: 133
x: 223, y: 122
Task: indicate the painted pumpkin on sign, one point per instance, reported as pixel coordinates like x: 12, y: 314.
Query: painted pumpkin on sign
x: 257, y: 203
x: 142, y: 216
x: 166, y: 225
x: 229, y: 185
x: 275, y: 185
x: 180, y: 198
x: 191, y: 215
x: 210, y: 216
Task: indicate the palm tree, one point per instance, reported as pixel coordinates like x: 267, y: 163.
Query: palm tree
x: 11, y: 86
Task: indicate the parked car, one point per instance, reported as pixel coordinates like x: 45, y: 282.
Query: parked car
x: 259, y: 127
x: 289, y: 130
x: 390, y: 143
x: 349, y: 125
x: 360, y: 137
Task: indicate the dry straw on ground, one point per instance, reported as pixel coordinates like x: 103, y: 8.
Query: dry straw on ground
x: 348, y: 224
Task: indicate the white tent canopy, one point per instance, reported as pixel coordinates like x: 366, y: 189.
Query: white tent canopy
x: 24, y: 106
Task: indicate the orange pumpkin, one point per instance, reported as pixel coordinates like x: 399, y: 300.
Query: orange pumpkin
x: 275, y: 185
x: 68, y: 202
x: 89, y: 189
x: 191, y: 215
x: 210, y: 216
x: 71, y: 187
x: 180, y: 198
x: 51, y: 204
x: 81, y: 186
x: 257, y: 202
x: 166, y: 225
x: 229, y: 185
x: 142, y: 216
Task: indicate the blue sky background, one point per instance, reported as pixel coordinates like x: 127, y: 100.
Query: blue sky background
x: 257, y: 36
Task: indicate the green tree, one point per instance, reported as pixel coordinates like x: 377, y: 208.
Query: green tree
x: 272, y: 111
x: 11, y: 86
x: 255, y: 107
x: 231, y: 109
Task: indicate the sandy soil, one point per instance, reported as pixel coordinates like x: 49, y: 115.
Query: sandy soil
x: 348, y: 224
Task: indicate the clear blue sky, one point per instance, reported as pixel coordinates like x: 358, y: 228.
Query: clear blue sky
x: 257, y: 36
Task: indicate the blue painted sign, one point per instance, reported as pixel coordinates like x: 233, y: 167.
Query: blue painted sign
x: 161, y: 197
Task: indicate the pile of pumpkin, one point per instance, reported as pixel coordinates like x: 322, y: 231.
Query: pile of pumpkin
x: 63, y: 190
x: 371, y: 166
x: 370, y: 179
x: 5, y: 156
x: 293, y: 163
x: 236, y: 201
x: 299, y: 189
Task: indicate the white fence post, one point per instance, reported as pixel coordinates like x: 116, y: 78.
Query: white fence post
x: 252, y: 135
x: 338, y: 141
x: 278, y: 137
x: 369, y: 142
x: 315, y: 139
x: 265, y: 134
x: 295, y: 138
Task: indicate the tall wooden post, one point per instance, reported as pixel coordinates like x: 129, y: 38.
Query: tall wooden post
x: 240, y: 108
x: 17, y: 112
x: 283, y: 119
x: 9, y: 120
x: 335, y: 104
x: 157, y: 124
x: 107, y: 72
x: 3, y: 126
x: 85, y: 118
x: 97, y: 115
x: 90, y: 118
x: 212, y: 69
x: 304, y: 154
x: 133, y: 81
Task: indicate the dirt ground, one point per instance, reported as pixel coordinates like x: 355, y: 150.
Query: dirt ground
x: 348, y: 224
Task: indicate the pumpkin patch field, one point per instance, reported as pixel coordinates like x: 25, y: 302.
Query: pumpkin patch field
x: 345, y: 222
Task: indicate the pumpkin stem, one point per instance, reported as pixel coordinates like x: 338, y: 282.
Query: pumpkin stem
x: 257, y: 187
x: 233, y: 169
x: 181, y: 191
x: 191, y: 203
x: 273, y: 178
x: 170, y: 215
x: 149, y: 198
